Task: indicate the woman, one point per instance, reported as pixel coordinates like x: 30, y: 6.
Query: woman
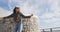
x: 17, y: 18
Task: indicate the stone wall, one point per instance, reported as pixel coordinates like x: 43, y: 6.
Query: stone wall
x: 29, y: 25
x: 7, y: 25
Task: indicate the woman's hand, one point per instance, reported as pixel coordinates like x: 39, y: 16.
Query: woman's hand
x: 31, y: 14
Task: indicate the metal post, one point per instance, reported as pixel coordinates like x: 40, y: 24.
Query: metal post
x: 43, y: 30
x: 50, y: 29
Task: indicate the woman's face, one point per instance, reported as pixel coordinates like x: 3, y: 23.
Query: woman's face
x: 17, y: 10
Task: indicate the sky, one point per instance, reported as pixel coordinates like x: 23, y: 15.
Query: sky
x: 48, y: 11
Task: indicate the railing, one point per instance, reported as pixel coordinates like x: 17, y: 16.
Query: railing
x: 56, y: 29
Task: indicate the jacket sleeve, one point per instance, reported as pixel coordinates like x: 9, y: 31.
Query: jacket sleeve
x: 8, y: 16
x: 24, y: 16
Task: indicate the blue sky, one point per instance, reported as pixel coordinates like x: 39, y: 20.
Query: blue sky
x: 48, y: 11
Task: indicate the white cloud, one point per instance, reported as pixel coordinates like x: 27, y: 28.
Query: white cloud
x: 33, y: 6
x: 52, y: 19
x: 28, y: 6
x: 55, y: 6
x: 4, y: 12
